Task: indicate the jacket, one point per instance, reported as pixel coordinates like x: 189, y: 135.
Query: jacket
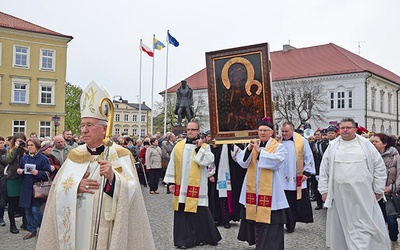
x: 153, y: 157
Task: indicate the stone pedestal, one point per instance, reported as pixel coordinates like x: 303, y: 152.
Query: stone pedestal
x: 177, y: 130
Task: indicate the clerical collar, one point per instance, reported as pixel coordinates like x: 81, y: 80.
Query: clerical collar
x: 290, y: 139
x: 95, y: 151
x: 191, y: 141
x: 263, y: 144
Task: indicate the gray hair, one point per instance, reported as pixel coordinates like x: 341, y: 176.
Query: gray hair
x: 348, y: 119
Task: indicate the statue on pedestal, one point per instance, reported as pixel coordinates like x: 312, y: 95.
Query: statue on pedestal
x: 184, y: 103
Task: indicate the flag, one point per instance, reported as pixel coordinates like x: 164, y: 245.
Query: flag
x: 172, y: 40
x: 146, y: 49
x: 157, y: 44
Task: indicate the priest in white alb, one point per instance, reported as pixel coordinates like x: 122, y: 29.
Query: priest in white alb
x: 71, y: 210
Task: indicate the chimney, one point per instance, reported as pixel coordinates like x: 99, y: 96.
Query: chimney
x: 287, y: 47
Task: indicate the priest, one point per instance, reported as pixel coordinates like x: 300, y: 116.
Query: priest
x: 187, y: 178
x: 70, y: 215
x: 263, y: 196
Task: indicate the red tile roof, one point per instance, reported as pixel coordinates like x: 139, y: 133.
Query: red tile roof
x: 322, y: 60
x: 11, y: 22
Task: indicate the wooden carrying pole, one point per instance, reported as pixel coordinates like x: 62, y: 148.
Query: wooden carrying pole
x: 108, y: 143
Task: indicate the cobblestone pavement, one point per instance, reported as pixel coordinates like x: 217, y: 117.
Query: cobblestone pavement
x: 159, y: 207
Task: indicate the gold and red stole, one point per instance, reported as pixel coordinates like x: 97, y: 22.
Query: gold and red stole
x: 193, y: 189
x: 299, y: 147
x: 260, y: 212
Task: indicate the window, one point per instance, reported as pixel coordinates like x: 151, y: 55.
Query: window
x: 332, y: 100
x: 143, y: 118
x: 142, y: 132
x: 350, y: 99
x: 45, y: 129
x: 116, y: 131
x: 276, y: 102
x: 117, y: 118
x: 389, y: 103
x: 126, y: 117
x: 126, y: 131
x: 340, y: 100
x: 373, y: 95
x: 307, y: 101
x: 20, y: 90
x: 134, y: 118
x: 290, y: 102
x: 46, y: 92
x: 19, y: 127
x: 21, y: 56
x: 1, y: 49
x: 47, y: 59
x: 134, y: 131
x: 382, y: 99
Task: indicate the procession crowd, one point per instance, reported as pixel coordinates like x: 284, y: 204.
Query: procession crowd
x: 338, y: 167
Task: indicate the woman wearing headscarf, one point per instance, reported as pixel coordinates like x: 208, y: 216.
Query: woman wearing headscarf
x: 385, y: 145
x: 34, y: 167
x: 46, y: 147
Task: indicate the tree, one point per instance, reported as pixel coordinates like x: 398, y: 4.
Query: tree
x: 299, y: 101
x: 72, y: 107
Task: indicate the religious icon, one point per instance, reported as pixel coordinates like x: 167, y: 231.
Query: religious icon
x: 239, y: 86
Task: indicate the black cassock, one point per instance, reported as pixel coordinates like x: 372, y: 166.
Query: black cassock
x: 226, y: 209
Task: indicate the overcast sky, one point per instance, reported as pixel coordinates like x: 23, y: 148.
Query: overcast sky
x: 106, y: 34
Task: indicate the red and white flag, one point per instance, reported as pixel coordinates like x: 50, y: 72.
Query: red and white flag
x: 146, y: 49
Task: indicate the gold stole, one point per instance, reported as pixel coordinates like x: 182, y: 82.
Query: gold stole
x: 193, y: 190
x: 262, y: 212
x: 299, y: 147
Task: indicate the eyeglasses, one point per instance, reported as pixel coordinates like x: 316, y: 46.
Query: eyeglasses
x: 264, y: 130
x: 345, y: 128
x: 192, y: 129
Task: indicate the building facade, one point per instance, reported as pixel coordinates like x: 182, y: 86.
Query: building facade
x: 130, y: 119
x: 32, y: 76
x: 349, y: 86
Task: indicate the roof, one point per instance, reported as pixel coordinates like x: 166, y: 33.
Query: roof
x: 11, y: 22
x: 321, y: 60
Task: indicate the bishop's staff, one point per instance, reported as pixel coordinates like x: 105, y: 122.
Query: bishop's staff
x: 108, y: 143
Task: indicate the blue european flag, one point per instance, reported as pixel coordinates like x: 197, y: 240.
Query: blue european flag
x: 172, y: 40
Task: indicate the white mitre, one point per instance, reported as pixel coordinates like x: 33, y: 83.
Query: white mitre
x: 90, y: 101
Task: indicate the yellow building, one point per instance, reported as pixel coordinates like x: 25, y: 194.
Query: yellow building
x: 126, y: 120
x: 32, y: 77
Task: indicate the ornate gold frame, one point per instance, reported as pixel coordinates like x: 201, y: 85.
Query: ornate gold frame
x: 234, y: 109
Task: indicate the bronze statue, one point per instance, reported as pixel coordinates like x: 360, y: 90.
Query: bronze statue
x: 184, y: 102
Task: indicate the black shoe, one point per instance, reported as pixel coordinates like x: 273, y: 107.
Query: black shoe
x: 182, y: 247
x: 291, y: 230
x: 202, y: 243
x: 227, y: 225
x: 318, y: 207
x: 14, y: 229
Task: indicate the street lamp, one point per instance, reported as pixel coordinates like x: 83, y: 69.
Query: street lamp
x: 56, y: 121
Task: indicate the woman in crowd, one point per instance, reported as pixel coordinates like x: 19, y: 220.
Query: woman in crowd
x: 34, y: 167
x: 45, y: 149
x: 385, y: 145
x: 14, y: 181
x: 153, y: 164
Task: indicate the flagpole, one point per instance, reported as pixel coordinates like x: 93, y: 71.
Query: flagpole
x: 140, y: 90
x: 152, y: 88
x: 166, y: 92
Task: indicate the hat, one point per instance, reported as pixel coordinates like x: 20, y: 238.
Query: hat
x: 324, y: 131
x: 265, y: 122
x: 45, y: 145
x: 207, y: 132
x: 90, y: 101
x: 332, y: 128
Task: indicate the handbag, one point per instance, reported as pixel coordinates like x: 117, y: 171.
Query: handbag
x: 392, y: 205
x: 41, y: 188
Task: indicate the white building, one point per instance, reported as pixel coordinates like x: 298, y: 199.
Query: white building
x: 353, y: 86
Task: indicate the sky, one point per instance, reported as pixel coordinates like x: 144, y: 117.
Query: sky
x: 105, y: 48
